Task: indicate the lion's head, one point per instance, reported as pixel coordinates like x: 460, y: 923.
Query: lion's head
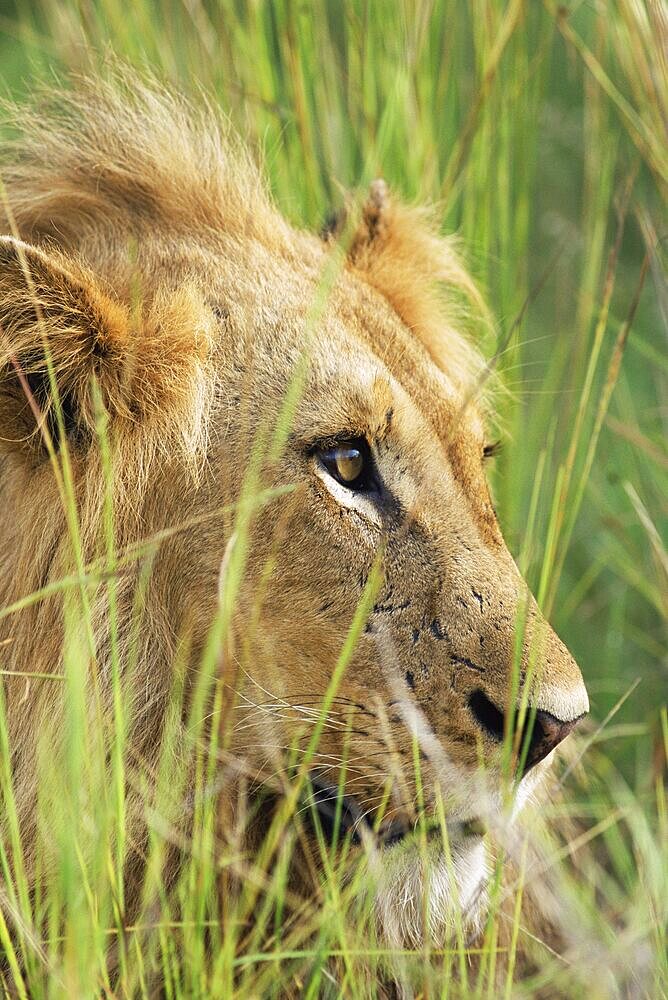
x: 234, y: 356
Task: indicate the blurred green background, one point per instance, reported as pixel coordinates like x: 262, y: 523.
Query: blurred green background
x: 540, y: 130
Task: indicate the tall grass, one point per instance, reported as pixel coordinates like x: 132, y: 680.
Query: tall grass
x: 540, y: 131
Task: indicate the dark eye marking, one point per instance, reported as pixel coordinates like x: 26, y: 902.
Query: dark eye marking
x: 492, y: 450
x: 351, y: 464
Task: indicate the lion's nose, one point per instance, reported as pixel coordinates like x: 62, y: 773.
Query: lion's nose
x: 547, y: 731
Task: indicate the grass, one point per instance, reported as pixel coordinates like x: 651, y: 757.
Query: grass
x: 540, y: 130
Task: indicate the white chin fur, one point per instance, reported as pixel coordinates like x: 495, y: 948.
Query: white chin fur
x: 405, y: 874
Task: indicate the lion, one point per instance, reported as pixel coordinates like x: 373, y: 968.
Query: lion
x: 298, y: 429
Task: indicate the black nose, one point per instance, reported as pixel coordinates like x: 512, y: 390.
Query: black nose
x: 547, y: 730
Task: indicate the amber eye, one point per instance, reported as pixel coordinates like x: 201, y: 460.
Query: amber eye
x: 350, y: 463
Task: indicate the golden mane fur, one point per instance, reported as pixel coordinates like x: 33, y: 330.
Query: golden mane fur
x: 144, y: 263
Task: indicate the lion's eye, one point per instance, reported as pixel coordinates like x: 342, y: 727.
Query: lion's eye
x: 350, y: 463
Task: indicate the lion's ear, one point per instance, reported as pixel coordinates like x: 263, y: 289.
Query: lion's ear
x: 61, y: 333
x: 54, y: 316
x: 398, y: 249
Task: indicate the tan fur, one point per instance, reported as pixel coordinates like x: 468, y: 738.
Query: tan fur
x: 156, y: 267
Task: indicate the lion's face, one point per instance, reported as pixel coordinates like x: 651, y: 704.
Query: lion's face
x: 245, y: 326
x: 386, y: 459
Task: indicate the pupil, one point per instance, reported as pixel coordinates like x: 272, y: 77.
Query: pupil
x: 349, y: 464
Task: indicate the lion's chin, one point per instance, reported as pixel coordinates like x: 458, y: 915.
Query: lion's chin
x: 422, y: 894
